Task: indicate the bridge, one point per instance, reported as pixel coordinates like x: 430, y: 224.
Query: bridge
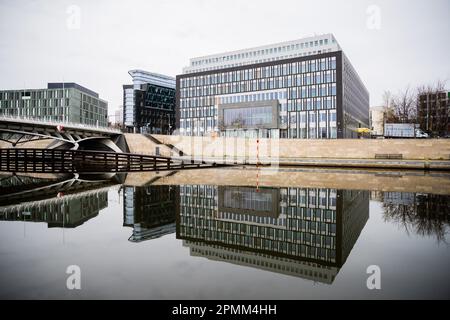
x: 84, y: 161
x: 66, y: 202
x: 17, y: 130
x: 17, y: 190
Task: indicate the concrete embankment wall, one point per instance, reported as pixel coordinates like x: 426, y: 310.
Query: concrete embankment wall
x: 409, y: 149
x: 140, y: 144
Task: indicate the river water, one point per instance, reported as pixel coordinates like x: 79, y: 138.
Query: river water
x: 240, y: 233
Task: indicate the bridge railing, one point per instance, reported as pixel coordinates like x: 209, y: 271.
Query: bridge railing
x: 65, y: 123
x: 63, y: 161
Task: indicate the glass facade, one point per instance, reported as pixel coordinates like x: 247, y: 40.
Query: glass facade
x: 149, y: 104
x: 150, y: 211
x: 251, y: 117
x: 318, y: 97
x: 306, y: 92
x: 248, y: 199
x: 311, y: 223
x: 155, y: 109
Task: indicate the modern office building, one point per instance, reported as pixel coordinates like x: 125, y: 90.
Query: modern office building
x: 433, y: 113
x: 299, y: 89
x: 65, y: 102
x: 149, y: 103
x: 305, y: 224
x: 150, y: 211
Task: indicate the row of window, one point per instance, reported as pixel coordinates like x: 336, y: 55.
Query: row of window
x: 35, y: 97
x: 262, y: 52
x: 311, y: 246
x: 299, y: 230
x: 194, y: 108
x: 313, y: 198
x: 41, y: 94
x: 34, y: 103
x: 317, y: 78
x: 286, y: 69
x: 256, y: 61
x: 317, y: 120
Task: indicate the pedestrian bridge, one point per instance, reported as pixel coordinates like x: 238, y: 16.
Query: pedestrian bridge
x: 85, y: 161
x: 18, y: 130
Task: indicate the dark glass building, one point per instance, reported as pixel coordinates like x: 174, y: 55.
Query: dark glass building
x: 149, y: 103
x: 150, y: 211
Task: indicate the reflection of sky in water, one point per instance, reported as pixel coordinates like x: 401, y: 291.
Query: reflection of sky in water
x: 406, y: 234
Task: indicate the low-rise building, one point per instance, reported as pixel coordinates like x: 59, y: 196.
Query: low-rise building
x: 63, y: 101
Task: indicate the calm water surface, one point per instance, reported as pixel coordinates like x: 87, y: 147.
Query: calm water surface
x: 225, y: 234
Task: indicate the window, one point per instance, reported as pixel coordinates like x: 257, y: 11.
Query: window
x: 332, y: 116
x: 248, y: 117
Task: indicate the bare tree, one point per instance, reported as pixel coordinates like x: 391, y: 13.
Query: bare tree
x: 387, y: 99
x: 404, y: 106
x: 427, y: 215
x: 387, y: 106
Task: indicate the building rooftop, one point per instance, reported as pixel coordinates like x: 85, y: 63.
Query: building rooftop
x: 277, y: 51
x: 63, y: 85
x: 142, y: 77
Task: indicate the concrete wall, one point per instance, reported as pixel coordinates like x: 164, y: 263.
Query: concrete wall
x: 140, y: 144
x: 306, y: 178
x: 413, y: 149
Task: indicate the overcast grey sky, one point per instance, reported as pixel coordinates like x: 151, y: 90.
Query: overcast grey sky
x: 43, y: 41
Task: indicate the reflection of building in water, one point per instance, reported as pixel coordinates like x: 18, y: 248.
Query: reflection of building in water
x: 68, y: 211
x: 292, y: 267
x: 319, y: 226
x: 424, y: 214
x: 150, y: 211
x: 400, y: 198
x: 376, y: 195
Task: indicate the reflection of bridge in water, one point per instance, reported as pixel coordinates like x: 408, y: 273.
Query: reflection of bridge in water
x: 59, y: 201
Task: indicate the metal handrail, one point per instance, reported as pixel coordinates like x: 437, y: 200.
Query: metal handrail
x: 33, y: 120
